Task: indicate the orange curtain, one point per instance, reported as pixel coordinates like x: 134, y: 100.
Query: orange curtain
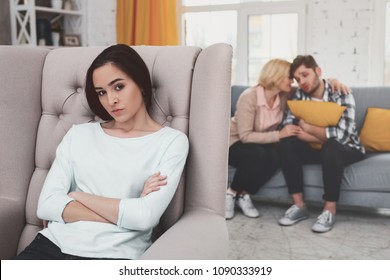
x: 146, y: 22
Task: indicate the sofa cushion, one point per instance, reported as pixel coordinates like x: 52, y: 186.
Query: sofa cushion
x: 370, y: 174
x: 375, y: 134
x: 236, y: 91
x: 365, y: 97
x: 316, y: 113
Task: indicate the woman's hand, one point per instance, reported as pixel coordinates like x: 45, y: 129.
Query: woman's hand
x: 336, y: 85
x: 289, y: 130
x: 153, y: 183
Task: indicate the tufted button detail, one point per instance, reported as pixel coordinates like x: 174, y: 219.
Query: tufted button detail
x: 79, y: 90
x: 169, y: 118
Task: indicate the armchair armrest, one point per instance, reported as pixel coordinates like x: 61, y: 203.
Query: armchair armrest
x: 11, y: 225
x: 197, y: 235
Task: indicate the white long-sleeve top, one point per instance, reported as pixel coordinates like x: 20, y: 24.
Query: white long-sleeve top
x: 89, y: 160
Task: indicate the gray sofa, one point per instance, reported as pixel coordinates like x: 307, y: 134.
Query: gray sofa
x: 365, y: 183
x: 42, y: 96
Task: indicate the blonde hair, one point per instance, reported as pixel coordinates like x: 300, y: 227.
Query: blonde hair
x: 273, y: 72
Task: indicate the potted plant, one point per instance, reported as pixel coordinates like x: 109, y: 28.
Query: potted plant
x: 56, y: 32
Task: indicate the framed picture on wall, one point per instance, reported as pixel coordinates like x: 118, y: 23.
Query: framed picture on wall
x: 72, y: 40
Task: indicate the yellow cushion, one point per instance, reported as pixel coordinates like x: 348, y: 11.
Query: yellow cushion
x: 317, y: 113
x: 375, y: 134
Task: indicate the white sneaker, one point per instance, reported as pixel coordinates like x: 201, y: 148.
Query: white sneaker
x: 229, y: 206
x: 246, y: 205
x: 324, y: 222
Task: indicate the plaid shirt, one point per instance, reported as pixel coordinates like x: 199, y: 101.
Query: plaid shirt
x: 345, y: 132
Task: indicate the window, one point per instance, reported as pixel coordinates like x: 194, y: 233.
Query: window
x: 257, y: 30
x: 208, y: 2
x: 203, y: 29
x: 206, y: 28
x: 270, y: 36
x: 222, y: 2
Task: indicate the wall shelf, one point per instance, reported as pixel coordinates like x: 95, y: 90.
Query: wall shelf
x: 24, y: 16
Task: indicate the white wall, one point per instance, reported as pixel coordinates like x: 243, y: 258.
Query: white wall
x: 101, y: 22
x: 339, y: 37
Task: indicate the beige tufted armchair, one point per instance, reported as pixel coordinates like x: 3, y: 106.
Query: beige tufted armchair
x: 41, y: 97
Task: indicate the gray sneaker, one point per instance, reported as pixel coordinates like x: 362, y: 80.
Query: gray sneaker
x: 324, y: 223
x: 229, y: 207
x: 293, y: 215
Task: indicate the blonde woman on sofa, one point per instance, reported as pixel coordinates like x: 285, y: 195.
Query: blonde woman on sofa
x: 111, y: 181
x: 254, y: 133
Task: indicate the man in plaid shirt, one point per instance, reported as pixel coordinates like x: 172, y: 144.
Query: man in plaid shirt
x: 340, y: 145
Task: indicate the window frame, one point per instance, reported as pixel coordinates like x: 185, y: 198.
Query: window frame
x: 244, y: 10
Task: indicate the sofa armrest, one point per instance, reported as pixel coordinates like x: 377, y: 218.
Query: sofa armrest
x: 197, y: 235
x: 11, y: 226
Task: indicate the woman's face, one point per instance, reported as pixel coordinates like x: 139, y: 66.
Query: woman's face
x: 285, y: 84
x: 118, y: 93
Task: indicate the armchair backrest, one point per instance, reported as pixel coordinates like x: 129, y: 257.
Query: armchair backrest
x: 42, y: 96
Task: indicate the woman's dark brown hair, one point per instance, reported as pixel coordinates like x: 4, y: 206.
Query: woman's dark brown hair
x: 128, y: 61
